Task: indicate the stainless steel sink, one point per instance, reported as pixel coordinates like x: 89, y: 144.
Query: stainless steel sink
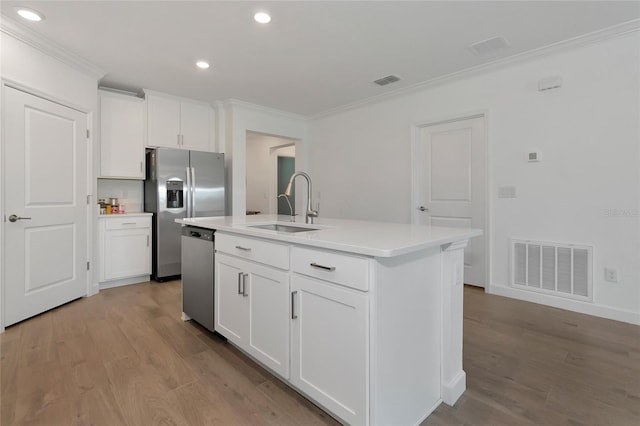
x: 283, y: 228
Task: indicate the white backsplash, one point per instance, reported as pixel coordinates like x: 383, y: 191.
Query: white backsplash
x: 129, y: 193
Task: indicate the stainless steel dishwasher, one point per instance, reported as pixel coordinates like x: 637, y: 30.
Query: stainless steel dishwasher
x: 197, y: 275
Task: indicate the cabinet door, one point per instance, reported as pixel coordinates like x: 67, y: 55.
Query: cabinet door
x: 330, y: 347
x: 268, y: 298
x: 121, y: 136
x: 195, y: 125
x: 127, y: 253
x: 163, y: 121
x: 231, y: 308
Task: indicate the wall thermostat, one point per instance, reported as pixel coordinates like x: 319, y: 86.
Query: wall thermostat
x: 532, y: 157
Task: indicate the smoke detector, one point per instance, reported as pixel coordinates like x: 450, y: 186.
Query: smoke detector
x: 387, y: 80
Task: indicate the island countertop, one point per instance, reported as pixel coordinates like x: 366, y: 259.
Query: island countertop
x: 378, y: 239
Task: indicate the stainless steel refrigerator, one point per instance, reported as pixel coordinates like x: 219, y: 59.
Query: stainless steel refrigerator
x: 180, y: 184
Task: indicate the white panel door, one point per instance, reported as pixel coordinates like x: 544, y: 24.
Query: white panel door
x: 45, y: 175
x: 231, y: 309
x: 449, y: 176
x: 330, y: 347
x: 195, y: 125
x: 121, y: 136
x: 127, y: 253
x: 163, y: 122
x: 268, y: 294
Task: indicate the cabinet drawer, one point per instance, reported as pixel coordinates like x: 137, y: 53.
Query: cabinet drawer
x: 340, y: 268
x: 269, y: 253
x: 127, y: 222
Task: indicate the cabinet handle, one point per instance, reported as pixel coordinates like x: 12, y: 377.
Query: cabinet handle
x: 243, y: 248
x: 240, y: 291
x: 324, y: 268
x: 128, y: 223
x: 244, y: 285
x: 293, y: 306
x: 178, y: 138
x: 147, y: 241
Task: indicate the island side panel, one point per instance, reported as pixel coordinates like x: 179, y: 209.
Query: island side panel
x: 453, y: 376
x: 406, y: 317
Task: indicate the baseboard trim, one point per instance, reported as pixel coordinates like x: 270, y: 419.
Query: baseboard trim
x: 124, y: 281
x: 568, y: 304
x: 453, y: 390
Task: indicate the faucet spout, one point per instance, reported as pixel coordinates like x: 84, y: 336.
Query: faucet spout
x: 310, y: 214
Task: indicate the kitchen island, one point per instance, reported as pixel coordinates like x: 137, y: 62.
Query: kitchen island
x: 364, y: 318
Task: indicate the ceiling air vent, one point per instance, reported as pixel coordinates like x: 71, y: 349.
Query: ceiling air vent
x: 387, y: 80
x: 490, y: 46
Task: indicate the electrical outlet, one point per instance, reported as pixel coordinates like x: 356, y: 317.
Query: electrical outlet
x: 611, y: 275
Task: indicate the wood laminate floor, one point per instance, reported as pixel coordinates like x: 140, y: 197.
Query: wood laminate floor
x: 124, y: 357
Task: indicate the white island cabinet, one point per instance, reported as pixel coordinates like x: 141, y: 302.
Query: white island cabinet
x: 251, y: 299
x: 363, y: 318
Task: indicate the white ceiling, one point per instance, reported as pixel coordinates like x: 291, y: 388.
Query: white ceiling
x: 314, y: 55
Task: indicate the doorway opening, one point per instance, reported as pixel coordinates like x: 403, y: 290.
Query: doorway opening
x: 271, y: 160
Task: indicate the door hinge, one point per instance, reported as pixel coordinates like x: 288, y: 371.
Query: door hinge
x: 88, y: 266
x: 88, y: 134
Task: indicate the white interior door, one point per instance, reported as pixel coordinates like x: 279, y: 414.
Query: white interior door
x: 449, y: 175
x: 45, y: 217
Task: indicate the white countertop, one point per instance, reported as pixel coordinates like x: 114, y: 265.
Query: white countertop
x: 378, y: 239
x: 116, y: 215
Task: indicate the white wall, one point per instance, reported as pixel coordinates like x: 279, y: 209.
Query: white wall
x: 262, y: 152
x: 130, y: 193
x: 585, y: 190
x: 241, y: 117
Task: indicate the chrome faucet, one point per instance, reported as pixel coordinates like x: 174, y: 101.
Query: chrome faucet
x: 286, y: 197
x: 310, y: 212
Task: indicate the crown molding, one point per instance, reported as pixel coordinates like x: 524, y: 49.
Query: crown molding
x: 572, y: 43
x: 235, y: 103
x: 26, y: 35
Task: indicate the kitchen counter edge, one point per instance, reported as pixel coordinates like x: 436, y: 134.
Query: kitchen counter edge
x: 376, y: 239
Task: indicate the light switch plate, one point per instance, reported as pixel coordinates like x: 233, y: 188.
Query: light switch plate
x: 507, y: 192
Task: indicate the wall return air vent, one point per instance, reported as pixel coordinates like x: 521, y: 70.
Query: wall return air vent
x: 387, y: 80
x: 563, y: 270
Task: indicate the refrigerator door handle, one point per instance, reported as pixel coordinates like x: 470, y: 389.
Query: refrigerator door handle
x: 193, y: 192
x: 188, y: 192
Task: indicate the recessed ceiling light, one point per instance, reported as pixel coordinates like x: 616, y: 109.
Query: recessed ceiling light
x: 202, y: 64
x: 29, y: 14
x: 262, y: 17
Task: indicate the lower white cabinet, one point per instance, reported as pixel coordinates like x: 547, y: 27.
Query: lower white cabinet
x: 124, y: 249
x: 330, y: 346
x: 252, y: 309
x: 362, y: 334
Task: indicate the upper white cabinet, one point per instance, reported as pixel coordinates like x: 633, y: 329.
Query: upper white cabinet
x: 121, y: 136
x: 174, y: 122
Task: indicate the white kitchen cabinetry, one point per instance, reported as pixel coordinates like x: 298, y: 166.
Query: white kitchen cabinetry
x: 366, y: 333
x: 174, y: 122
x: 124, y: 249
x: 121, y: 136
x: 330, y: 346
x: 252, y: 299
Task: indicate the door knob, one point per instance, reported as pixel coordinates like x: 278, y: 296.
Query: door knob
x: 14, y: 218
x: 423, y: 209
